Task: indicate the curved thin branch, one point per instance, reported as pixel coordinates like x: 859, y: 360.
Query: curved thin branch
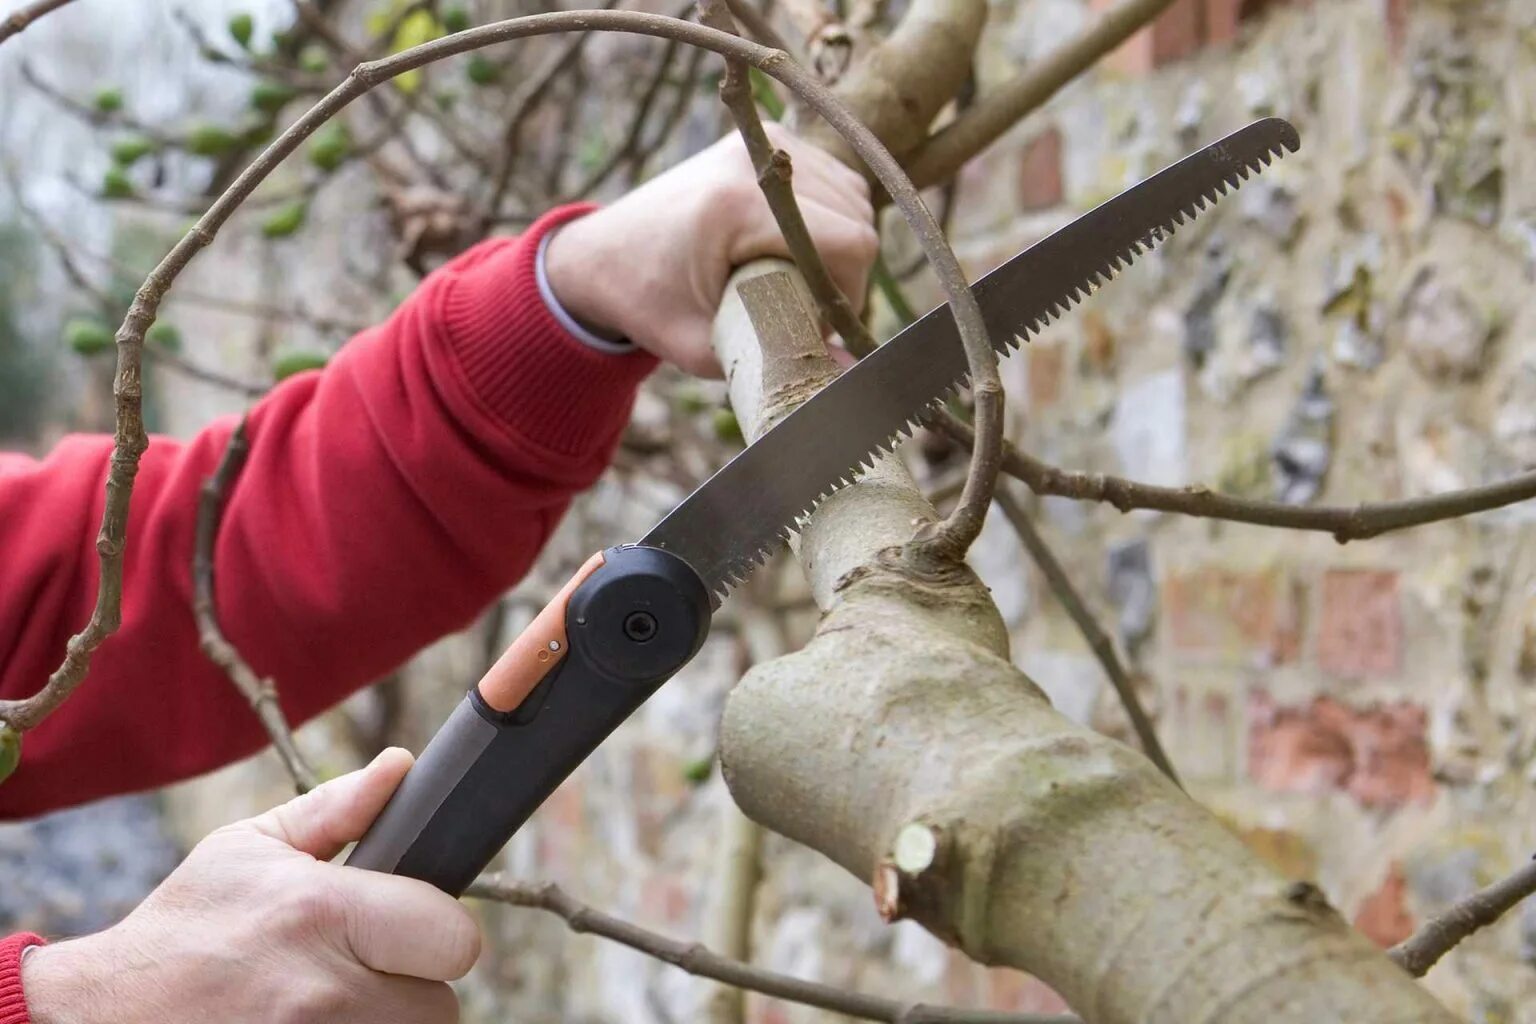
x: 17, y: 21
x: 130, y: 438
x: 1103, y: 648
x: 976, y: 129
x: 695, y: 959
x: 1344, y: 522
x: 1420, y: 951
x: 261, y: 693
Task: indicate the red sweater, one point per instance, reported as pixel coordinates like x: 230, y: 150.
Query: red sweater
x: 387, y: 500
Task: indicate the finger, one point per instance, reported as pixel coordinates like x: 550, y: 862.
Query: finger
x: 406, y: 1001
x: 847, y: 246
x: 398, y: 925
x: 337, y: 812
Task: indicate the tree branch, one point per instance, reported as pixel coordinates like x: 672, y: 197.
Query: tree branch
x: 17, y: 21
x: 775, y: 177
x: 948, y: 150
x: 1345, y: 523
x: 697, y: 960
x: 261, y: 693
x: 1098, y: 641
x: 759, y: 27
x: 1439, y: 936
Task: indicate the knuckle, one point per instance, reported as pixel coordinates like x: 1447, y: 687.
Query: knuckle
x: 318, y: 999
x: 309, y: 908
x: 461, y: 943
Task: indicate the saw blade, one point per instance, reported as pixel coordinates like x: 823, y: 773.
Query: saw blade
x: 739, y: 516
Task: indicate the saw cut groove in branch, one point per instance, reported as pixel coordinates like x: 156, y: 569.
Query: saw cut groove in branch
x: 130, y: 439
x: 697, y: 960
x: 1098, y: 641
x: 1420, y: 951
x: 261, y: 693
x: 776, y: 178
x: 17, y: 21
x: 1344, y: 522
x: 980, y: 126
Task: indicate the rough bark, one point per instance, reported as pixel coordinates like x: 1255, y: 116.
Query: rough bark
x: 1046, y: 846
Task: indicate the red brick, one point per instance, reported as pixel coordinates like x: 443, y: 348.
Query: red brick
x: 1232, y: 615
x: 1177, y: 33
x: 1378, y: 754
x: 665, y: 899
x: 1383, y: 916
x: 1040, y: 174
x: 1360, y: 628
x: 1221, y: 20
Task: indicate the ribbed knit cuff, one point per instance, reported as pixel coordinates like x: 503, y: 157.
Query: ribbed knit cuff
x: 520, y: 364
x: 13, y: 1001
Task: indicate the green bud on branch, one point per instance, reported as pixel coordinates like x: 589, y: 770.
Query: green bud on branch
x: 293, y: 361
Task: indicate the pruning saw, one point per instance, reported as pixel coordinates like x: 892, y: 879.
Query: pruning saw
x: 633, y: 615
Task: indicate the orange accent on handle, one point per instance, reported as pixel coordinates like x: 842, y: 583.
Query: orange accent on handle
x: 536, y: 651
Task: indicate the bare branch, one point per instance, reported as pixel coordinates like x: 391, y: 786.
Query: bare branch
x: 774, y: 175
x: 523, y: 103
x: 1098, y: 641
x: 1345, y: 523
x: 1439, y: 936
x: 976, y: 129
x: 695, y: 959
x: 629, y: 149
x: 17, y: 21
x: 759, y: 27
x: 261, y: 693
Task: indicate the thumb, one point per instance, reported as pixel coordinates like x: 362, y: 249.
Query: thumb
x: 335, y: 813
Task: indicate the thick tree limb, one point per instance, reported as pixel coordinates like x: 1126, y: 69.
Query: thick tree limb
x: 17, y: 21
x: 1098, y: 641
x: 261, y: 693
x: 1439, y: 936
x: 1344, y: 522
x: 696, y: 959
x: 904, y: 718
x: 946, y: 152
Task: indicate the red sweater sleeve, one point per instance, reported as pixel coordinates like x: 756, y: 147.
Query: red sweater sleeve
x: 386, y: 501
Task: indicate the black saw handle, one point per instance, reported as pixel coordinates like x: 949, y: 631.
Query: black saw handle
x: 625, y: 623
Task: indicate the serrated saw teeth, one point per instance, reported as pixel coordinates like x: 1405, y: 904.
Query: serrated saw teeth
x: 829, y: 442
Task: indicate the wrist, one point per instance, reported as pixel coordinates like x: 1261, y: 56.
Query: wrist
x: 576, y: 264
x: 57, y: 982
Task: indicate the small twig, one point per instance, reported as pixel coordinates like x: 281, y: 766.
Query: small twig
x: 697, y: 960
x: 682, y: 102
x: 261, y: 693
x: 17, y: 21
x: 522, y: 104
x: 188, y: 368
x: 775, y: 177
x: 976, y: 129
x: 630, y: 148
x: 759, y: 27
x: 1345, y: 523
x: 90, y: 115
x: 1098, y: 641
x: 1439, y: 936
